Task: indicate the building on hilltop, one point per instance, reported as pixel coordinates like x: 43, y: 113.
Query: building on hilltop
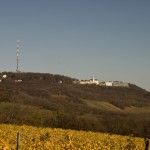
x: 90, y: 81
x: 117, y: 84
x: 109, y: 83
x: 120, y: 83
x: 104, y: 83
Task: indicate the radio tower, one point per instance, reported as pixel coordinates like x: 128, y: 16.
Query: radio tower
x: 17, y: 69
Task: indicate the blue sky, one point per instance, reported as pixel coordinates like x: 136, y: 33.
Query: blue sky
x: 107, y: 39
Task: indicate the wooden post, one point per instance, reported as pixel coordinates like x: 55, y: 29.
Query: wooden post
x: 18, y: 141
x: 146, y: 144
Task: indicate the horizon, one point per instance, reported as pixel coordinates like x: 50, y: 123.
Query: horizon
x: 79, y: 39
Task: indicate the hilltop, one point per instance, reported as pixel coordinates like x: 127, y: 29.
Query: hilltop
x: 40, y: 99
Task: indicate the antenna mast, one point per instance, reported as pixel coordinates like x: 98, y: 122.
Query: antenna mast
x: 17, y: 69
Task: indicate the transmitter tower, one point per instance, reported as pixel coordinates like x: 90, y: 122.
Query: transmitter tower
x: 17, y: 67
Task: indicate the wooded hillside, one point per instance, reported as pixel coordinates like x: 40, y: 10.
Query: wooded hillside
x: 41, y: 100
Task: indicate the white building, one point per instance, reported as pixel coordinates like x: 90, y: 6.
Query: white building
x: 109, y: 83
x: 90, y: 81
x: 4, y: 76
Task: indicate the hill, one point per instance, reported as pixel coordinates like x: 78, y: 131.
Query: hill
x: 41, y: 100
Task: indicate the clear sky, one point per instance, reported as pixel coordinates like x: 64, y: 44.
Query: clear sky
x: 107, y: 39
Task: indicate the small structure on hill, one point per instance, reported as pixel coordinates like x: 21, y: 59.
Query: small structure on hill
x: 120, y: 83
x: 4, y: 76
x: 18, y: 80
x: 90, y: 81
x: 109, y: 83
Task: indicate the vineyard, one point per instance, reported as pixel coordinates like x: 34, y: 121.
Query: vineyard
x: 34, y: 138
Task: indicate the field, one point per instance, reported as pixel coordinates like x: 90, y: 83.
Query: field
x: 34, y: 138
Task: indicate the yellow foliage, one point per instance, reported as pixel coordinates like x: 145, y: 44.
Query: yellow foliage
x: 33, y: 138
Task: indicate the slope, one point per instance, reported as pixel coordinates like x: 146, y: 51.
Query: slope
x: 41, y: 100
